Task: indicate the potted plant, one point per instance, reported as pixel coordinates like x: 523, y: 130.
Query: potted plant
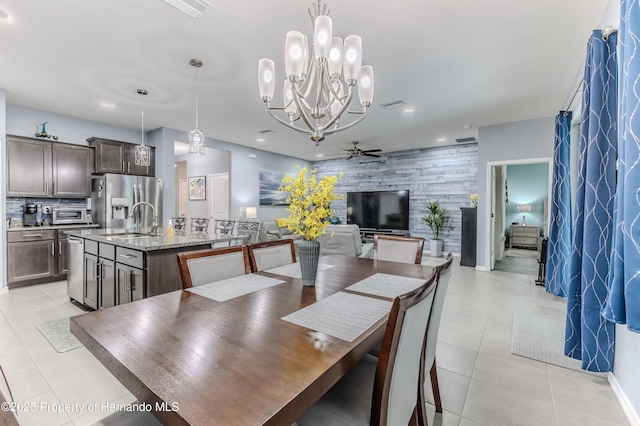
x: 309, y: 209
x: 437, y: 219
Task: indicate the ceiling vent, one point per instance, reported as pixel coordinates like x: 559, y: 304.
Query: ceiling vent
x: 466, y: 140
x: 266, y: 132
x: 393, y: 104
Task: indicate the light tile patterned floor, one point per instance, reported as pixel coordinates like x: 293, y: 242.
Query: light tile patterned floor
x: 481, y: 382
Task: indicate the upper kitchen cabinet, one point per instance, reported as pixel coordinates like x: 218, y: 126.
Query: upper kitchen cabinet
x: 39, y: 168
x: 119, y: 157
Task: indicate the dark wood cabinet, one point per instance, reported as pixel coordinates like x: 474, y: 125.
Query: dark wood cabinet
x: 28, y: 167
x: 469, y: 236
x: 119, y: 157
x: 37, y: 168
x: 31, y: 261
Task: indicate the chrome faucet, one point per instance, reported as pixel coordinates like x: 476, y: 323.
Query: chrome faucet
x: 154, y: 224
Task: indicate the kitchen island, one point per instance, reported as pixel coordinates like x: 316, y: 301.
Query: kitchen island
x: 122, y: 265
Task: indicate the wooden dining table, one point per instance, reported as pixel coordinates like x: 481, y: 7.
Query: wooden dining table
x: 198, y: 361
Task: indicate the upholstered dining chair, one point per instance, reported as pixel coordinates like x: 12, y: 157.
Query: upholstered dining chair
x: 428, y: 362
x: 271, y: 254
x: 210, y: 265
x: 378, y: 391
x: 397, y: 248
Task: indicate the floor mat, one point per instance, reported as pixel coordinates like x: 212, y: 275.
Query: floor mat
x: 58, y: 334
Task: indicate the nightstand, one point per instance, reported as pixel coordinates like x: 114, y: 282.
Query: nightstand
x: 524, y: 236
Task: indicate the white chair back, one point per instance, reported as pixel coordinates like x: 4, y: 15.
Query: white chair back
x: 272, y: 257
x: 436, y: 312
x: 398, y: 249
x: 403, y: 388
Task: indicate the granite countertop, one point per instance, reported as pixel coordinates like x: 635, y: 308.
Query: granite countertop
x: 144, y: 242
x: 48, y: 227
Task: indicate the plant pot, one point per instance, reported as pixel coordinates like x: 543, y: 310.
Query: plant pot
x: 436, y: 247
x: 308, y: 255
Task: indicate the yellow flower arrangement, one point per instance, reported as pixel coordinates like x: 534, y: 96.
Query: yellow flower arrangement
x: 310, y: 200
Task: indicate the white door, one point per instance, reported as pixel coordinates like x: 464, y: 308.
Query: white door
x: 493, y: 218
x: 219, y: 196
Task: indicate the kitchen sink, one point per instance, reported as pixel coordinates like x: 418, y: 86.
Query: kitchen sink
x: 131, y: 235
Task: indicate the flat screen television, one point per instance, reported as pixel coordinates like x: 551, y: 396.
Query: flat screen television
x: 379, y: 210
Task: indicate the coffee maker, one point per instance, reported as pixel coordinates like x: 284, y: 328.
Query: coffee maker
x: 30, y: 212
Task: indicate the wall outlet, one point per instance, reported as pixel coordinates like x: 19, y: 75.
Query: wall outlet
x: 46, y: 209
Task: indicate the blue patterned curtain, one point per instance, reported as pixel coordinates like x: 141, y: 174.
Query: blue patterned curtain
x: 559, y: 244
x: 623, y: 302
x: 589, y: 337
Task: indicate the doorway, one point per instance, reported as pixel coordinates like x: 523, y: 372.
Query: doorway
x: 506, y: 198
x: 219, y: 196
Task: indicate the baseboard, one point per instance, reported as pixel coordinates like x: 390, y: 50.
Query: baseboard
x: 4, y: 290
x: 629, y: 410
x: 482, y: 268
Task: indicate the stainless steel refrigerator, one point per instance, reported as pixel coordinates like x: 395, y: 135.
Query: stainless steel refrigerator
x: 113, y: 196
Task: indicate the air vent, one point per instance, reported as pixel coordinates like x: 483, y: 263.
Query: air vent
x: 393, y: 104
x: 466, y: 140
x: 266, y: 132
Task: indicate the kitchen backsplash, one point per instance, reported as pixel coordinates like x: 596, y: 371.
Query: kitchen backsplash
x: 15, y: 206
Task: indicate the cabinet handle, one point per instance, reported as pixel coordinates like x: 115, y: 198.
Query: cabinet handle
x: 31, y: 235
x: 132, y: 283
x: 53, y: 248
x: 128, y: 166
x: 128, y: 256
x: 60, y: 247
x: 123, y: 169
x: 46, y: 186
x: 98, y: 270
x: 53, y: 189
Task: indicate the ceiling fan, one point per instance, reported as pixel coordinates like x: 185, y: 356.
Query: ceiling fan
x: 357, y: 152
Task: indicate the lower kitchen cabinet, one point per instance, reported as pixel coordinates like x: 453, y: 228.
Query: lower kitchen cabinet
x: 31, y: 257
x: 91, y: 281
x: 107, y: 283
x: 130, y: 283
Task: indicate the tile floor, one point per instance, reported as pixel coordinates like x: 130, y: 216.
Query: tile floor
x: 481, y: 382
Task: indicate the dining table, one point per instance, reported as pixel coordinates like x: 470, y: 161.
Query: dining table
x: 257, y: 350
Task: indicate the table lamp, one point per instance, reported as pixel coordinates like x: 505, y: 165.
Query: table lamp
x: 524, y: 208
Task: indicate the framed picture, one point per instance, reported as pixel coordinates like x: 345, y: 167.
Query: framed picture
x: 270, y: 195
x: 197, y: 188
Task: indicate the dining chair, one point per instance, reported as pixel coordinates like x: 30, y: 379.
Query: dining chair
x: 397, y: 248
x: 247, y: 231
x: 379, y: 391
x: 7, y: 417
x: 199, y: 224
x: 271, y: 254
x: 210, y: 265
x: 428, y: 362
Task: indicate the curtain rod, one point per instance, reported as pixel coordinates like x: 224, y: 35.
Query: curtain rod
x: 606, y: 32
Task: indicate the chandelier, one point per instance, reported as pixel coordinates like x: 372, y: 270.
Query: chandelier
x: 196, y: 136
x: 142, y: 152
x: 320, y: 82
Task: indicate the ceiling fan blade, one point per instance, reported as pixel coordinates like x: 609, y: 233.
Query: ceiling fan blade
x: 370, y: 155
x: 372, y: 150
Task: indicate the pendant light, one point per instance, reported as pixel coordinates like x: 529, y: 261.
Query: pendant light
x: 196, y: 136
x: 143, y: 152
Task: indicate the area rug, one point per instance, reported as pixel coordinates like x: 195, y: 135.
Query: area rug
x: 58, y: 335
x: 542, y: 339
x: 522, y: 253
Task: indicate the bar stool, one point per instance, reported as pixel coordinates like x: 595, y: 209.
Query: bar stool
x: 179, y: 223
x: 199, y: 224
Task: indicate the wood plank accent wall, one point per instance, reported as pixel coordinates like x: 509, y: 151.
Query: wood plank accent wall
x: 448, y: 174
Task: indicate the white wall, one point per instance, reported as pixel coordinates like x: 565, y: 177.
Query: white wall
x: 3, y: 205
x: 518, y: 141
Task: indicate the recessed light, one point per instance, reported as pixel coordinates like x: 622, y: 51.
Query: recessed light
x: 107, y: 105
x: 466, y: 126
x: 408, y: 110
x: 441, y: 140
x: 319, y: 155
x: 260, y: 140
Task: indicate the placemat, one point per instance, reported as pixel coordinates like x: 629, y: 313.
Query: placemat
x: 342, y: 315
x: 386, y: 285
x: 230, y: 288
x: 293, y: 269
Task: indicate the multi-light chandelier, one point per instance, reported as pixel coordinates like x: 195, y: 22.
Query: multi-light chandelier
x: 143, y: 152
x: 196, y: 136
x: 314, y: 90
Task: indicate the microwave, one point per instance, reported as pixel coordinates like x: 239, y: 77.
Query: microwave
x: 70, y: 215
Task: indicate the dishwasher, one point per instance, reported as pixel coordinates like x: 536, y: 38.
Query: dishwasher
x: 75, y: 269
